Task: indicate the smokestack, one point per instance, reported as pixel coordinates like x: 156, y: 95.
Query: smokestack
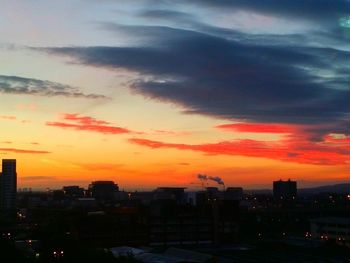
x: 218, y: 180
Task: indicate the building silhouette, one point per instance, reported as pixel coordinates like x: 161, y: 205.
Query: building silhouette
x: 73, y: 191
x: 104, y: 191
x: 8, y: 185
x: 284, y: 190
x: 170, y: 193
x: 336, y: 229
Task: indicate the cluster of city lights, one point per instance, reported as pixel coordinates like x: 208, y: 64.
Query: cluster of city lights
x: 58, y: 253
x: 6, y: 235
x: 324, y: 237
x: 341, y: 239
x: 308, y: 235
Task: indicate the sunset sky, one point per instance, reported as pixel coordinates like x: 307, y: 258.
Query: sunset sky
x: 151, y: 93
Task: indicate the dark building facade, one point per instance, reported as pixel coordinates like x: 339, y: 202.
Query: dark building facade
x: 170, y: 193
x: 73, y: 191
x: 104, y: 191
x: 284, y: 190
x: 8, y: 184
x: 213, y: 220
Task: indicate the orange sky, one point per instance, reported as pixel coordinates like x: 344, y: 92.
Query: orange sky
x: 77, y: 149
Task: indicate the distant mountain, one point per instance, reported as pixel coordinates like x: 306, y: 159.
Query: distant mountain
x: 336, y: 188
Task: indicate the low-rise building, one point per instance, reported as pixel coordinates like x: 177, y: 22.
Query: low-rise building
x: 331, y: 228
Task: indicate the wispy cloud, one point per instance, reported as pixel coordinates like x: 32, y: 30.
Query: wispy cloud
x: 171, y: 133
x: 8, y: 117
x: 87, y: 123
x: 99, y: 166
x: 37, y: 178
x: 29, y: 86
x: 319, y: 11
x: 15, y: 150
x: 13, y: 118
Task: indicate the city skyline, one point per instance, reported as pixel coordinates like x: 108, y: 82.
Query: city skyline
x: 151, y: 94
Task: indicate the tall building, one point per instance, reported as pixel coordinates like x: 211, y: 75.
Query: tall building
x: 8, y: 184
x: 285, y: 190
x: 104, y: 191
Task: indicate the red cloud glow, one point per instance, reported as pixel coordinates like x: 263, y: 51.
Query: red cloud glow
x: 292, y: 149
x: 86, y: 123
x: 258, y: 127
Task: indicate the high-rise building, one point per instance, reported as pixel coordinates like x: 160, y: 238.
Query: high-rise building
x: 105, y: 191
x: 285, y: 190
x: 8, y: 184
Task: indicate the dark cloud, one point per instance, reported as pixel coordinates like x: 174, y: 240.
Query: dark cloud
x: 142, y: 35
x: 165, y: 14
x: 317, y: 10
x: 233, y: 79
x: 19, y: 85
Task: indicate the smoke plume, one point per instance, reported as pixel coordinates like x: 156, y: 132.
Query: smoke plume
x: 216, y: 179
x: 205, y: 178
